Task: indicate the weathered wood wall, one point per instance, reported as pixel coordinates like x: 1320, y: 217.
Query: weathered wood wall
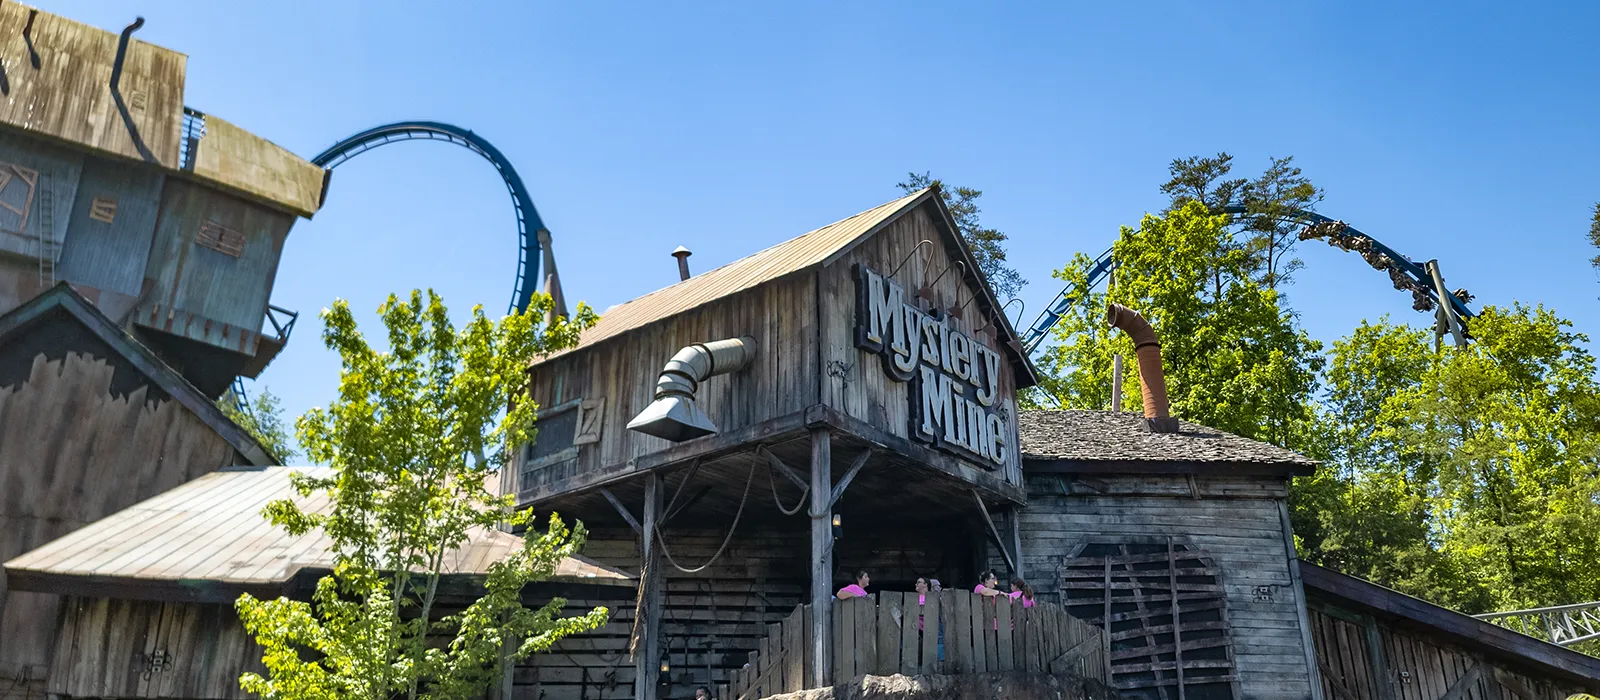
x: 80, y: 439
x: 714, y: 618
x: 781, y: 316
x: 1411, y: 665
x: 140, y: 649
x: 804, y: 325
x: 854, y: 381
x: 1234, y: 522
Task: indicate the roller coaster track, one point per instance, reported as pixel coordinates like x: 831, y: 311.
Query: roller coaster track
x: 533, y: 246
x: 1404, y: 273
x: 1562, y: 625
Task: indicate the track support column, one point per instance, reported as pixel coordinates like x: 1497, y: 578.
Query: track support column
x: 821, y: 557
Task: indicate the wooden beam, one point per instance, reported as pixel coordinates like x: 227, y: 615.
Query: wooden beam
x: 993, y: 533
x: 1464, y: 685
x: 781, y: 468
x: 622, y: 510
x: 844, y: 483
x: 821, y: 560
x: 1304, y: 618
x: 1116, y: 467
x: 647, y: 658
x: 987, y: 480
x: 1377, y: 660
x: 687, y: 504
x: 1014, y: 533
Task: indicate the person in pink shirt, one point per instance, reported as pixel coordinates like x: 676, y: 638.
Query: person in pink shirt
x: 857, y: 589
x: 988, y: 585
x: 1021, y: 590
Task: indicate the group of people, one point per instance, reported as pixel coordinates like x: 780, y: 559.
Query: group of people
x: 988, y: 586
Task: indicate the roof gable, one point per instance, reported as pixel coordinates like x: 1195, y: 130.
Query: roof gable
x: 62, y: 301
x: 815, y: 248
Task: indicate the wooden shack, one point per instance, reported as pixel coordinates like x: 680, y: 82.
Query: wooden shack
x: 91, y: 422
x: 147, y: 592
x: 874, y: 428
x: 170, y: 220
x: 1376, y: 643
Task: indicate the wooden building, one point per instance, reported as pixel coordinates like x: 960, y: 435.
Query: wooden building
x: 91, y: 422
x: 170, y: 220
x: 1376, y: 643
x: 148, y: 592
x: 1122, y: 523
x: 907, y: 439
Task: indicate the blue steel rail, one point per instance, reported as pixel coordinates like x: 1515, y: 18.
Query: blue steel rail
x: 1047, y: 319
x: 528, y: 222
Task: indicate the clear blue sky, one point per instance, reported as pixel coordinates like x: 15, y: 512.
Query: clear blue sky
x: 1465, y: 132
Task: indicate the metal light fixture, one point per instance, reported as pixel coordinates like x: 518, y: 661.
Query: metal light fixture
x: 838, y: 526
x: 673, y: 414
x: 666, y: 667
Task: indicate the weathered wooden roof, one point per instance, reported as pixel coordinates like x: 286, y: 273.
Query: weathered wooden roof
x: 1462, y: 629
x: 792, y: 255
x: 211, y: 530
x: 1119, y: 442
x: 58, y: 84
x: 61, y: 300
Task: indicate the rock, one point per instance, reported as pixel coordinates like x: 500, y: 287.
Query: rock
x: 983, y: 686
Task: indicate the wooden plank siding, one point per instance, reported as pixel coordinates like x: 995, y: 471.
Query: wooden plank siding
x: 1412, y: 664
x: 803, y: 319
x: 713, y: 619
x: 853, y: 380
x: 73, y: 450
x: 1232, y: 521
x: 146, y: 649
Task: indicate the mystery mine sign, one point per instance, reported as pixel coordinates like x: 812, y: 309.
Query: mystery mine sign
x: 954, y: 379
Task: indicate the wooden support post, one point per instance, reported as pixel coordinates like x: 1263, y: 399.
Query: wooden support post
x: 999, y: 542
x: 647, y: 660
x: 1014, y: 535
x: 1304, y: 617
x: 821, y: 558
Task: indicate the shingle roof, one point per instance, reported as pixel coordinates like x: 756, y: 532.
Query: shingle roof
x: 211, y: 529
x: 1107, y: 437
x: 789, y: 256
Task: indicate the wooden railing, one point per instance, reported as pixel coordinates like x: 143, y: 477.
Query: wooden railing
x: 960, y: 633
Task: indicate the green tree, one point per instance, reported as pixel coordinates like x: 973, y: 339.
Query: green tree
x: 263, y: 419
x: 413, y: 438
x: 987, y: 244
x: 1264, y: 230
x: 1468, y: 477
x: 1234, y: 358
x: 1594, y: 235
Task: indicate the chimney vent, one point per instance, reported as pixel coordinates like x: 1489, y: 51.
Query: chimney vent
x: 1147, y: 348
x: 682, y: 254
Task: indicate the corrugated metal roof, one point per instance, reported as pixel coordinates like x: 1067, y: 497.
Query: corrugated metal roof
x: 211, y: 529
x: 789, y: 256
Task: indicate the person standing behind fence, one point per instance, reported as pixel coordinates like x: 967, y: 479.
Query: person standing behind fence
x: 857, y: 589
x: 1020, y: 590
x: 988, y: 585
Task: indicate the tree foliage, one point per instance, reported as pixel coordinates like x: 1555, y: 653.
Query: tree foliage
x: 1468, y: 477
x: 1263, y: 231
x: 1234, y: 358
x: 262, y: 417
x: 414, y: 438
x: 1594, y: 235
x: 987, y: 244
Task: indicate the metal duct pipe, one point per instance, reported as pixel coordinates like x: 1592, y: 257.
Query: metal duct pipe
x: 1147, y: 348
x: 673, y: 414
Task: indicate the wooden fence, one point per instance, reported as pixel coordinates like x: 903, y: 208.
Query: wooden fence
x: 960, y: 633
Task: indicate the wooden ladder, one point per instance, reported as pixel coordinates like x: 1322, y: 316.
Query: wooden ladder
x: 48, y: 248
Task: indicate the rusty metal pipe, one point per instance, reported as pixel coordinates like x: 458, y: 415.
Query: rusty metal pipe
x: 1152, y: 382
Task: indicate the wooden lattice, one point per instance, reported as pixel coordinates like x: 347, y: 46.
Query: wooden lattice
x: 1162, y: 607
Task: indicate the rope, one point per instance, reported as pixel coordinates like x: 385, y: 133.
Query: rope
x: 774, y: 483
x: 731, y: 528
